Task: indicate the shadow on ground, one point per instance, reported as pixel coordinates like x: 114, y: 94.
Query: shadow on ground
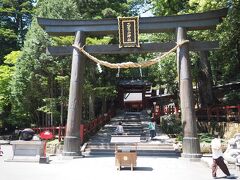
x: 137, y: 168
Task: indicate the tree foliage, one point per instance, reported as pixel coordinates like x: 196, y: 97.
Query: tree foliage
x: 7, y: 70
x: 225, y: 61
x: 35, y: 86
x: 15, y: 18
x: 6, y: 73
x: 41, y: 82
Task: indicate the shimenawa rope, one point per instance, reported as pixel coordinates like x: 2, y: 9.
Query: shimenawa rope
x: 129, y: 64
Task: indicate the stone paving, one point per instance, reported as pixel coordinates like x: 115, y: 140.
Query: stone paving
x: 163, y: 168
x: 148, y: 167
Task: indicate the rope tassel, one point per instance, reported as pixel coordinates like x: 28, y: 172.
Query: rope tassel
x: 118, y: 73
x: 99, y: 68
x: 140, y: 70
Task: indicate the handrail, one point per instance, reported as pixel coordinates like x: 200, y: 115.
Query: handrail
x: 228, y: 113
x: 85, y: 129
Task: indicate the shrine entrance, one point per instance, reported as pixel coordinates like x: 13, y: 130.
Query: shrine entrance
x: 133, y: 95
x: 179, y: 24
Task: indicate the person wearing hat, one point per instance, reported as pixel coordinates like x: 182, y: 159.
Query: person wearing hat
x: 217, y: 155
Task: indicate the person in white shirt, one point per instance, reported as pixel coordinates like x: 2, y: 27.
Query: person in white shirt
x: 218, y: 159
x: 119, y: 130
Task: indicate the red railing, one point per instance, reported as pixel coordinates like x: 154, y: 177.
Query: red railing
x: 164, y: 110
x: 58, y: 131
x: 85, y: 129
x: 219, y: 113
x: 94, y: 125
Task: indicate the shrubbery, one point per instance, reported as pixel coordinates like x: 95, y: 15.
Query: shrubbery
x: 171, y: 124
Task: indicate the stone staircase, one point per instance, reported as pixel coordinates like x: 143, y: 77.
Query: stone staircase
x: 134, y: 123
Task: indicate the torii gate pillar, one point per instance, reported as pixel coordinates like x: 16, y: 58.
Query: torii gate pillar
x: 191, y: 146
x: 72, y: 138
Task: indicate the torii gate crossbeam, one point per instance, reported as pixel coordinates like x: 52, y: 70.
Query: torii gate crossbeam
x: 198, y: 21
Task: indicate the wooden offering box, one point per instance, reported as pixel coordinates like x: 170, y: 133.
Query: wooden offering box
x: 125, y: 150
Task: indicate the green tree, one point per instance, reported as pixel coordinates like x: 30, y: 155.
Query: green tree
x: 39, y: 90
x: 168, y: 7
x: 96, y: 9
x: 7, y: 70
x: 223, y: 62
x: 229, y: 54
x: 57, y: 9
x: 15, y: 18
x: 35, y: 87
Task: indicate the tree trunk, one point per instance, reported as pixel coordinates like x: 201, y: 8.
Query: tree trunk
x: 238, y: 53
x: 51, y: 103
x: 62, y: 107
x: 91, y: 106
x: 205, y: 83
x: 104, y: 105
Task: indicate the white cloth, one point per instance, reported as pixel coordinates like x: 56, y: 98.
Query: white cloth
x: 216, y: 148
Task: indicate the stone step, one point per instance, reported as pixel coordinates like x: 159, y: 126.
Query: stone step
x: 134, y: 123
x: 148, y: 144
x: 132, y: 127
x: 149, y: 147
x: 125, y: 129
x: 140, y: 147
x: 165, y: 153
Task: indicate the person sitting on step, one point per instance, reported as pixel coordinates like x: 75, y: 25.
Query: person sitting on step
x: 119, y: 130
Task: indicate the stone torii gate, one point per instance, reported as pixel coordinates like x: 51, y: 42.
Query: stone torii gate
x: 179, y: 24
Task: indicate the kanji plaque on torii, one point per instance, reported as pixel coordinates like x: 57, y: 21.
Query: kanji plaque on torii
x: 128, y: 29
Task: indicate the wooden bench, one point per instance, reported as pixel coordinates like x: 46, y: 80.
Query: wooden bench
x: 125, y: 150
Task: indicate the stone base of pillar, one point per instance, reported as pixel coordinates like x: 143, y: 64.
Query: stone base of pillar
x: 70, y: 157
x: 71, y: 146
x: 74, y: 154
x: 191, y: 148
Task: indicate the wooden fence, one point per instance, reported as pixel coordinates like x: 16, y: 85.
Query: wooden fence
x: 218, y: 113
x: 85, y: 129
